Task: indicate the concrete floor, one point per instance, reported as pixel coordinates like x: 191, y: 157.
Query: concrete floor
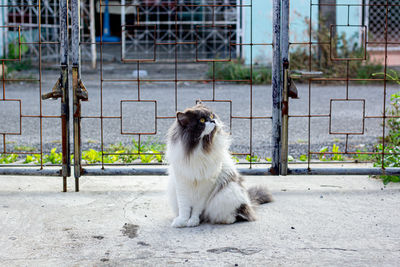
x: 125, y: 221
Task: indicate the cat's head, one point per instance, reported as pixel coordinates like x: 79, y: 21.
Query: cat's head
x: 196, y: 125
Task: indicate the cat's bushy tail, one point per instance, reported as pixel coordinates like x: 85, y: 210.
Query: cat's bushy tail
x: 259, y: 195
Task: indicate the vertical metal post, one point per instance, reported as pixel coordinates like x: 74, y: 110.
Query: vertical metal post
x: 123, y: 22
x: 92, y: 34
x: 66, y: 154
x: 75, y: 78
x: 276, y: 87
x: 285, y: 100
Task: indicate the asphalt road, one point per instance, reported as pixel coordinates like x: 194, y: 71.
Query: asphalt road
x: 246, y: 101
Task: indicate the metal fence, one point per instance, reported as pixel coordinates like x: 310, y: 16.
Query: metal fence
x: 378, y: 33
x: 196, y: 32
x: 167, y: 57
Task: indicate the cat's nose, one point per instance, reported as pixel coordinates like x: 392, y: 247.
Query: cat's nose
x: 213, y: 121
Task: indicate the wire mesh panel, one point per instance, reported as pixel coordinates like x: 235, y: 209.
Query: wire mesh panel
x: 167, y: 56
x: 347, y: 111
x: 30, y: 128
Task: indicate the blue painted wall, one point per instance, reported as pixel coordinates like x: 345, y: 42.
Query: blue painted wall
x: 258, y: 20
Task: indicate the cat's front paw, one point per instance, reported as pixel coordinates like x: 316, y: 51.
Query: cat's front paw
x: 179, y: 222
x: 192, y: 222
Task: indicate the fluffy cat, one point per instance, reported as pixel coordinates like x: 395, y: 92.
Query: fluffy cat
x: 204, y: 185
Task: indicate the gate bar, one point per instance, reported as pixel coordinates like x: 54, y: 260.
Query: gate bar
x: 66, y: 158
x: 276, y: 88
x: 285, y: 98
x: 75, y: 78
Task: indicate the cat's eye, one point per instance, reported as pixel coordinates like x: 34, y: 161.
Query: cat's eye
x: 202, y: 120
x: 212, y: 116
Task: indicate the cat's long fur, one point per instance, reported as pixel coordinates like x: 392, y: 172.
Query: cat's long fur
x: 204, y: 184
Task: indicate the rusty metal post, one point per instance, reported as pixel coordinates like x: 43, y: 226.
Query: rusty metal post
x: 285, y: 95
x: 276, y: 88
x: 66, y: 168
x: 75, y: 21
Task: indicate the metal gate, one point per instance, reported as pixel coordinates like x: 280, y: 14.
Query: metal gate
x: 153, y: 68
x: 25, y: 33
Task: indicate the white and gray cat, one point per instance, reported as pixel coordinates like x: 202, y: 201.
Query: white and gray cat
x: 204, y: 185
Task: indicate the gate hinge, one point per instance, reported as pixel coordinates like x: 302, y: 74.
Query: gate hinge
x: 56, y: 92
x: 81, y: 91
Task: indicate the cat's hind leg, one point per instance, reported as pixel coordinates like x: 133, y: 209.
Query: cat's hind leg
x: 229, y: 205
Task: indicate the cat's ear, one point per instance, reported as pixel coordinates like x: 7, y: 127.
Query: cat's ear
x: 182, y: 118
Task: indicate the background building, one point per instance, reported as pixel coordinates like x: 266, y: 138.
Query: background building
x: 153, y: 21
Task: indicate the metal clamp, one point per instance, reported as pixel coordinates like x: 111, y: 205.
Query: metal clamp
x: 57, y: 91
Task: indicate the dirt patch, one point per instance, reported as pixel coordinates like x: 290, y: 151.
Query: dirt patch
x: 130, y: 230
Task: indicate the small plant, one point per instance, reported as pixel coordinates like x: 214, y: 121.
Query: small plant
x: 8, y: 158
x: 322, y: 157
x: 362, y: 157
x: 253, y: 158
x: 35, y: 158
x: 91, y: 156
x: 53, y: 157
x: 303, y: 158
x: 235, y: 159
x: 336, y: 156
x: 392, y: 139
x: 392, y: 160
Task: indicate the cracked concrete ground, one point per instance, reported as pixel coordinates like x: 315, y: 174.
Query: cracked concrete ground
x: 125, y: 221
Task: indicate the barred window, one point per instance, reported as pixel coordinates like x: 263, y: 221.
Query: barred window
x: 377, y: 20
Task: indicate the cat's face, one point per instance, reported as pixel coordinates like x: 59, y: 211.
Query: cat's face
x: 197, y: 124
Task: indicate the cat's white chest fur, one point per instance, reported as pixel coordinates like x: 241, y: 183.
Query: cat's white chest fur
x: 196, y: 168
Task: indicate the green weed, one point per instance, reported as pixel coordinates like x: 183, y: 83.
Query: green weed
x: 237, y: 70
x: 336, y: 156
x: 362, y: 157
x: 253, y: 158
x: 391, y: 160
x: 8, y: 158
x: 303, y: 158
x: 32, y: 158
x: 53, y: 157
